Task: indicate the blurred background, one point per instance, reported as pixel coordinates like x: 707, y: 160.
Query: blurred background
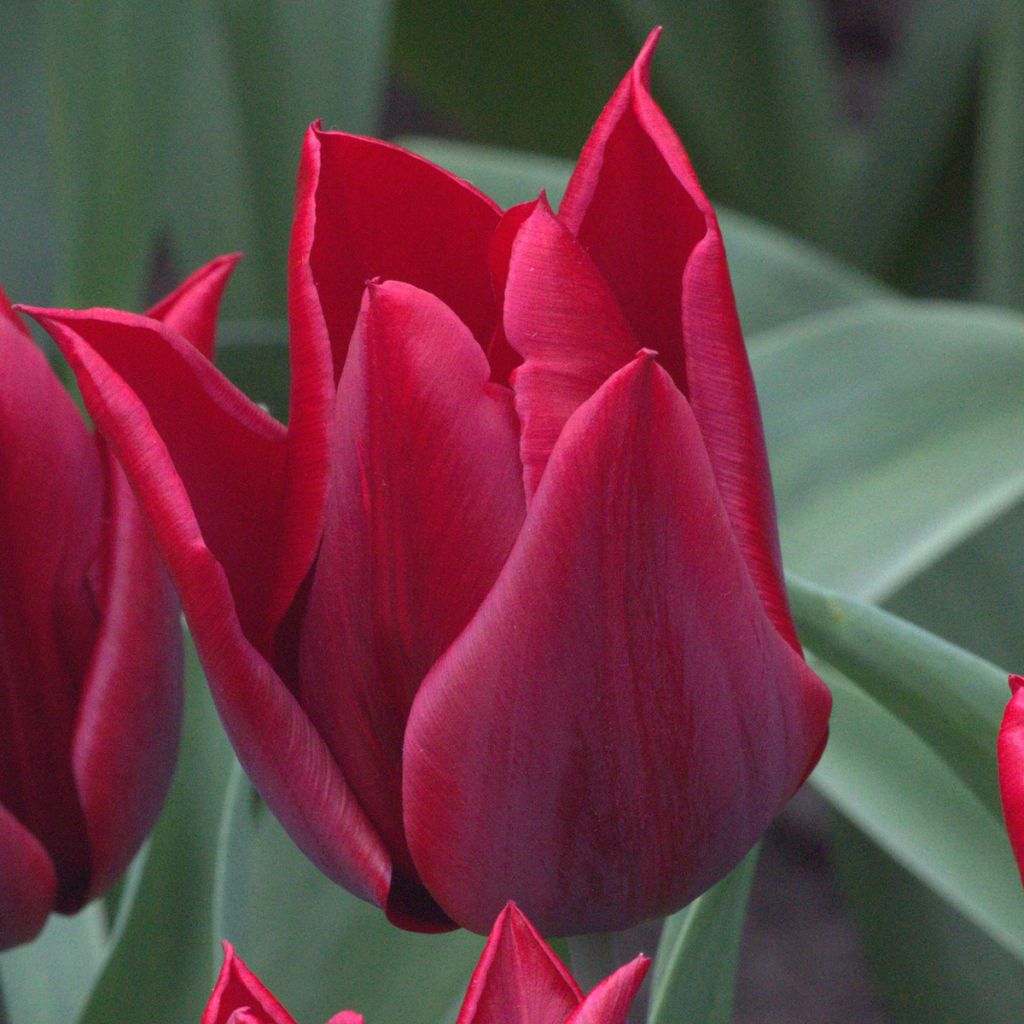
x: 878, y: 143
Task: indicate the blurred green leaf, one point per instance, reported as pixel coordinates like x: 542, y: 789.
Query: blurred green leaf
x: 254, y: 355
x: 159, y: 970
x: 50, y: 978
x: 1000, y: 190
x: 316, y: 947
x: 695, y: 969
x: 895, y: 430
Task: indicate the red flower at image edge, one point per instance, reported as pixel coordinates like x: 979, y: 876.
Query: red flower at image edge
x: 500, y: 614
x: 1011, y: 768
x: 90, y: 639
x: 519, y: 980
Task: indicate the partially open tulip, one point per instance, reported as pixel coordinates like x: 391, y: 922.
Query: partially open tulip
x: 1011, y: 768
x: 519, y: 980
x: 90, y: 639
x: 501, y: 613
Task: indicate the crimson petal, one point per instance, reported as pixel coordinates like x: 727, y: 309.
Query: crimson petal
x: 28, y: 882
x: 640, y: 719
x: 636, y: 206
x: 426, y: 500
x: 239, y: 997
x: 275, y: 741
x: 518, y: 980
x: 379, y: 211
x: 1011, y: 768
x: 610, y: 1001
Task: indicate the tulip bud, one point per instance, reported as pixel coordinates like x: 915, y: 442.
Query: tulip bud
x: 500, y: 614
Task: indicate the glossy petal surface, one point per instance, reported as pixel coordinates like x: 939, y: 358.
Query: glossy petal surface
x: 383, y: 212
x: 640, y: 720
x: 637, y: 208
x: 426, y: 501
x: 1011, y: 768
x: 239, y: 997
x: 519, y: 980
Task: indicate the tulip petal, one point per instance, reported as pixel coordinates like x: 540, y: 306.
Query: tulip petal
x: 51, y: 505
x: 191, y: 309
x: 639, y: 718
x: 1011, y: 768
x: 426, y: 500
x: 610, y: 1001
x: 239, y: 997
x: 129, y: 718
x: 637, y: 208
x: 228, y: 452
x: 564, y: 321
x: 381, y: 211
x: 275, y: 741
x: 28, y: 882
x: 518, y: 980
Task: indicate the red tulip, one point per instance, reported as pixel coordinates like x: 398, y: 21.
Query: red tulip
x: 519, y: 980
x: 1011, y: 768
x: 90, y: 639
x: 500, y: 614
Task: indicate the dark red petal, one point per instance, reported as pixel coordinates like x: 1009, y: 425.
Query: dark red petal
x: 619, y: 721
x: 610, y: 1001
x: 519, y: 980
x: 380, y: 211
x: 51, y: 504
x: 425, y: 504
x: 1011, y: 768
x: 275, y: 741
x: 28, y: 882
x: 238, y: 989
x: 229, y: 454
x: 129, y: 718
x: 636, y: 206
x: 563, y: 320
x: 191, y: 309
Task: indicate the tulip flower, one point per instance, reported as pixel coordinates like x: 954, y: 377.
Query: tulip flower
x: 500, y: 614
x: 1011, y: 768
x: 90, y: 638
x: 518, y: 980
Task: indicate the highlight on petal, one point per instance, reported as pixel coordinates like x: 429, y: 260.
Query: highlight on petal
x: 426, y: 501
x: 191, y: 309
x: 610, y: 1001
x: 239, y: 997
x: 275, y: 741
x: 561, y: 317
x: 379, y: 211
x: 518, y: 980
x: 639, y: 716
x: 637, y: 208
x: 1011, y: 768
x: 28, y: 882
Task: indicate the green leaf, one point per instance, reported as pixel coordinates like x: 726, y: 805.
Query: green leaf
x: 316, y: 947
x: 254, y: 355
x: 695, y: 969
x: 895, y: 430
x: 1000, y: 192
x: 159, y: 970
x: 50, y: 978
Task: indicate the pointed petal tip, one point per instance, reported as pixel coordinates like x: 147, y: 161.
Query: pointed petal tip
x: 1015, y: 682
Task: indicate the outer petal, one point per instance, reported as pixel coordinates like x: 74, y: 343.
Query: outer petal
x: 1011, y: 768
x: 51, y: 504
x: 620, y: 721
x: 636, y: 206
x: 191, y: 309
x: 563, y: 320
x: 610, y: 1001
x: 383, y: 212
x: 28, y: 882
x: 129, y: 718
x: 275, y: 741
x: 426, y: 501
x: 239, y: 997
x: 519, y: 980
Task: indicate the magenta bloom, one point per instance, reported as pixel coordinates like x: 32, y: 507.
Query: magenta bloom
x: 500, y: 613
x: 90, y: 640
x: 519, y: 980
x: 1011, y: 768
